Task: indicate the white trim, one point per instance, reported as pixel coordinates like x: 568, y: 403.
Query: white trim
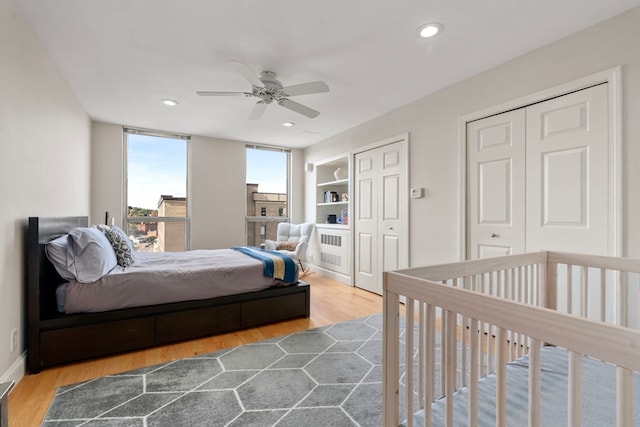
x: 613, y: 77
x: 615, y: 161
x: 398, y: 138
x: 16, y: 370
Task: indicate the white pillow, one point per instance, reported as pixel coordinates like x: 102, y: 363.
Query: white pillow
x: 89, y: 254
x: 56, y: 251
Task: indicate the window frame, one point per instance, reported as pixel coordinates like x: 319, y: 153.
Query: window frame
x: 265, y: 219
x: 126, y: 219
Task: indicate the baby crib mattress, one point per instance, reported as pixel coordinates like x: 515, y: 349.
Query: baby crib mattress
x: 598, y: 395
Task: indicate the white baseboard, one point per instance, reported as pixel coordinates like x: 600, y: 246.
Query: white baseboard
x: 331, y: 274
x: 16, y: 371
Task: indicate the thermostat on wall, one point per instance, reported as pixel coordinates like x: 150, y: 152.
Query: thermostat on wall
x: 417, y: 193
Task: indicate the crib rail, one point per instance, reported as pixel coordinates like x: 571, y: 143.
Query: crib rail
x: 490, y: 312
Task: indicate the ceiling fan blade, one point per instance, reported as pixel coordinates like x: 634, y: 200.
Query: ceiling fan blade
x: 207, y: 93
x: 258, y: 110
x: 247, y: 73
x: 298, y: 108
x: 306, y: 88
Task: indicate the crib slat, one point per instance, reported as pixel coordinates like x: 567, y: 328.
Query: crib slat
x: 501, y: 378
x: 450, y: 365
x: 603, y: 295
x: 550, y: 290
x: 569, y: 281
x: 431, y: 363
x: 623, y: 317
x: 485, y: 288
x: 443, y: 349
x: 409, y: 304
x: 574, y: 407
x: 470, y: 283
x: 624, y: 397
x: 473, y: 373
x: 534, y: 383
x: 422, y: 354
x: 584, y: 308
x: 391, y: 358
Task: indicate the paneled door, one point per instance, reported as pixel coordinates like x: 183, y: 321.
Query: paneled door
x: 538, y: 177
x: 496, y: 192
x: 380, y: 226
x: 567, y: 154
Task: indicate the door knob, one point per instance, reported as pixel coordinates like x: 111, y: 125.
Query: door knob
x: 494, y: 235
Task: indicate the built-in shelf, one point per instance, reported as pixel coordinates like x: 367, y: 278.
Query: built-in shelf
x: 332, y: 200
x: 332, y: 216
x: 332, y: 183
x: 334, y: 203
x: 335, y: 226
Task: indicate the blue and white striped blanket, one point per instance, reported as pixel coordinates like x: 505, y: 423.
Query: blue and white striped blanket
x: 276, y: 264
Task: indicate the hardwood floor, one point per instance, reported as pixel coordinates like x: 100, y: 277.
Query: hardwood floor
x: 331, y: 302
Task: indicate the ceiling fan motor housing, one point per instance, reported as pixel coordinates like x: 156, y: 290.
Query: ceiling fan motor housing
x: 270, y: 80
x: 272, y: 87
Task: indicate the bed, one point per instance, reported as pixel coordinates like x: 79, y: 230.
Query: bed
x: 57, y: 338
x: 540, y: 339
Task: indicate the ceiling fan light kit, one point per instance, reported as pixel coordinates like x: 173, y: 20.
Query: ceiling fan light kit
x: 268, y: 88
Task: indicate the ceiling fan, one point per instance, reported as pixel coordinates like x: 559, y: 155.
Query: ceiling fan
x: 268, y: 88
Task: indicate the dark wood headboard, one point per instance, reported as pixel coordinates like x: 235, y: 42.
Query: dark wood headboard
x: 42, y: 278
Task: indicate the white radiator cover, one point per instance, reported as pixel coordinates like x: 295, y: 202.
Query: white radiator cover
x: 334, y: 249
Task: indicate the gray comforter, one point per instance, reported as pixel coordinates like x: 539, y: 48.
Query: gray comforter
x: 159, y: 278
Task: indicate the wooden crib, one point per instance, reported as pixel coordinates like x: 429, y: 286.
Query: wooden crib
x: 452, y: 331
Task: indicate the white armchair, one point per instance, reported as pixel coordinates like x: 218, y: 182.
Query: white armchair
x: 292, y: 240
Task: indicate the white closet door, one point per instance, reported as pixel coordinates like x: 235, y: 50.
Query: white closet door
x: 496, y: 187
x: 380, y: 232
x: 538, y: 177
x: 366, y: 220
x: 567, y: 156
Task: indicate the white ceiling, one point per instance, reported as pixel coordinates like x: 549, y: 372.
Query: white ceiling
x: 121, y: 57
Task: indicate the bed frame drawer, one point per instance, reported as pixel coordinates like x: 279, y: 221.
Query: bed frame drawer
x: 274, y: 309
x: 81, y: 342
x: 185, y: 325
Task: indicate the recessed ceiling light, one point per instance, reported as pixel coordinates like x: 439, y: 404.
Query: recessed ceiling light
x: 288, y: 124
x: 170, y: 102
x: 430, y: 29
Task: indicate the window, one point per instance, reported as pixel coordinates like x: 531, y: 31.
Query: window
x: 157, y: 209
x: 267, y: 192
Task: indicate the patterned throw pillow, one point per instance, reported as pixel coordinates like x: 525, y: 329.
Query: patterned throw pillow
x: 121, y: 245
x: 119, y: 231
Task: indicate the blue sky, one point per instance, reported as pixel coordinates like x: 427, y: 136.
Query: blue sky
x: 157, y: 165
x: 269, y: 169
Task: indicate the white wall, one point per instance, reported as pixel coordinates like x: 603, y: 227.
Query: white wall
x: 44, y: 164
x: 107, y: 172
x: 217, y: 193
x: 432, y: 123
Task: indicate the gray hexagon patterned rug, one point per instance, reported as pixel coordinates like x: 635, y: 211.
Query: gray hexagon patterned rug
x: 329, y: 376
